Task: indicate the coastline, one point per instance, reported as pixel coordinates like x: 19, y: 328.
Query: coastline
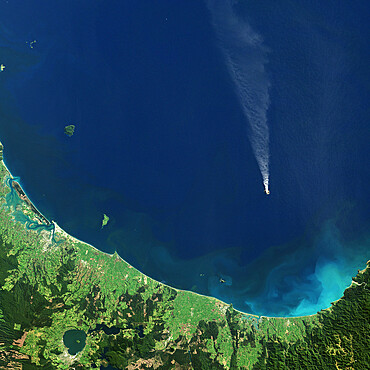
x: 74, y: 284
x: 59, y: 230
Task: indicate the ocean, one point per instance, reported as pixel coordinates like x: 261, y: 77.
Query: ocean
x: 163, y: 142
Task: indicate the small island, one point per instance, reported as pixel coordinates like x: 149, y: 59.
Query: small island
x: 105, y: 220
x: 69, y: 130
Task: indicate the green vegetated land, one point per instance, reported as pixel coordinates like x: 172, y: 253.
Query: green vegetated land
x: 69, y: 130
x: 105, y: 220
x: 51, y: 283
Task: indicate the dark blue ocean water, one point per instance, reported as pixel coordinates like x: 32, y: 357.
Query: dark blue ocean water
x: 161, y: 143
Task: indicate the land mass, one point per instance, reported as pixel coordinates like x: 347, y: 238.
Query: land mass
x: 69, y: 130
x: 52, y: 283
x: 105, y: 220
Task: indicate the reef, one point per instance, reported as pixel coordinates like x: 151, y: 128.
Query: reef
x: 51, y: 282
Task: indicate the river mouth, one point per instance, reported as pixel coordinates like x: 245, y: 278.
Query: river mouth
x: 74, y: 340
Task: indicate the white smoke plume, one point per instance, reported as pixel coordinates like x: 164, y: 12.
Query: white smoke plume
x: 245, y: 57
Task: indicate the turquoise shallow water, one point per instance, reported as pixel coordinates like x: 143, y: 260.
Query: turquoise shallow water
x: 161, y: 143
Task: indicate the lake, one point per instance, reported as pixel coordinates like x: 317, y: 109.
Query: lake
x: 74, y: 340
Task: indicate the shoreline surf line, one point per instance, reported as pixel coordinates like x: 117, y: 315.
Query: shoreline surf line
x: 58, y: 229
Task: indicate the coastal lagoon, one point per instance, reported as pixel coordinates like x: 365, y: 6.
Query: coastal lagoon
x: 162, y: 146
